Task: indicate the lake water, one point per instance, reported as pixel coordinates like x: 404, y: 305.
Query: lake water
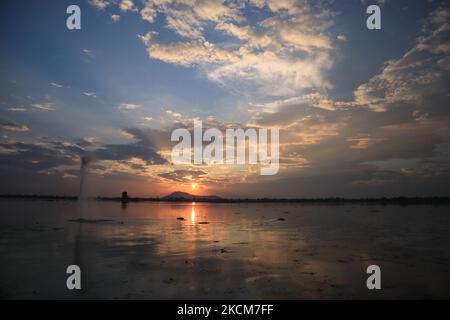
x: 223, y: 251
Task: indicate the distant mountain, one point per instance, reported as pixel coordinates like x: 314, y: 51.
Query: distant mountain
x: 184, y: 196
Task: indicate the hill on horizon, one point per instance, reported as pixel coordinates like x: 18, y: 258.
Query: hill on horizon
x: 179, y: 195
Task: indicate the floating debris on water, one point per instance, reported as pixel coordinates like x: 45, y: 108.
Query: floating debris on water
x: 203, y: 222
x: 281, y: 219
x: 180, y: 218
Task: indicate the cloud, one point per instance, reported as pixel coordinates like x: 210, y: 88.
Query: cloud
x: 283, y: 54
x: 355, y: 137
x: 35, y: 158
x: 127, y: 5
x: 214, y: 10
x: 17, y: 109
x: 266, y: 74
x: 56, y: 157
x: 195, y: 52
x: 47, y: 106
x: 291, y: 6
x: 184, y: 23
x: 183, y: 175
x: 188, y: 18
x: 129, y: 106
x: 147, y: 37
x: 87, y: 141
x: 392, y: 135
x: 90, y: 94
x: 13, y: 126
x: 148, y: 13
x: 87, y: 52
x: 127, y: 151
x: 100, y: 4
x: 141, y: 148
x: 362, y: 141
x: 417, y: 78
x: 115, y: 17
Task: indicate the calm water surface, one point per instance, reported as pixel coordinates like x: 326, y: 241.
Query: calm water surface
x: 223, y: 251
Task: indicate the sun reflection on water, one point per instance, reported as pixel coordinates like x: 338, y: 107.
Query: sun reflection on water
x: 193, y: 213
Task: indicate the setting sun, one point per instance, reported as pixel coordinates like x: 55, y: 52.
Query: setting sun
x: 194, y: 186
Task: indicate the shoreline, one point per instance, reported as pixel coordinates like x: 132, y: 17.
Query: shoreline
x: 337, y: 200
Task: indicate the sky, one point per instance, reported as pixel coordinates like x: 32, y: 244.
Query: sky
x: 361, y: 113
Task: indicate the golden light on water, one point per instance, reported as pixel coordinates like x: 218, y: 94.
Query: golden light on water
x: 193, y: 213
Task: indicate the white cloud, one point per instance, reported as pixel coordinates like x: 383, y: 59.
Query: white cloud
x: 17, y: 109
x: 268, y: 74
x: 189, y: 17
x: 47, y: 106
x: 127, y: 5
x: 87, y: 52
x: 286, y: 52
x: 100, y: 4
x: 190, y: 53
x: 129, y: 106
x: 278, y: 56
x: 214, y: 10
x: 290, y: 6
x: 115, y: 17
x: 342, y: 37
x: 174, y: 114
x: 185, y: 23
x: 148, y: 13
x: 147, y: 37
